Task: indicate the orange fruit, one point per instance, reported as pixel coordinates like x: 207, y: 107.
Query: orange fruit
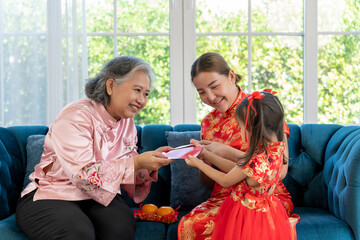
x: 149, y: 208
x: 165, y: 210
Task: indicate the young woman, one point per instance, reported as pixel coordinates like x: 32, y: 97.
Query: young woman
x: 89, y: 154
x: 217, y: 87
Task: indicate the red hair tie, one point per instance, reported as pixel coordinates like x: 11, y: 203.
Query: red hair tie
x: 251, y: 97
x: 269, y: 90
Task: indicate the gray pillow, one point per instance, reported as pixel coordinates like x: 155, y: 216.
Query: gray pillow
x: 187, y: 189
x: 34, y: 150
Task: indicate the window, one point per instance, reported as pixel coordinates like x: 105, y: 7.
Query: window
x: 307, y: 51
x: 339, y: 61
x: 23, y: 67
x: 263, y: 42
x: 139, y: 28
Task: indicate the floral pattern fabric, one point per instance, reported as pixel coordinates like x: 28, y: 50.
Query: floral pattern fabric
x: 248, y: 206
x: 223, y: 128
x: 89, y: 155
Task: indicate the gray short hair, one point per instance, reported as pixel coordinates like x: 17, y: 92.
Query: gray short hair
x: 119, y: 68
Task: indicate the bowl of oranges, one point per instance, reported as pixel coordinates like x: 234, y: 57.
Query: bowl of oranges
x: 151, y: 212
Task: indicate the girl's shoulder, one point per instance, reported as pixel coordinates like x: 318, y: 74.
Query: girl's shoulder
x: 275, y: 146
x: 273, y: 150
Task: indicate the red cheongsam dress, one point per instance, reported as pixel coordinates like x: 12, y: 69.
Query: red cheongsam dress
x: 254, y: 213
x: 223, y: 128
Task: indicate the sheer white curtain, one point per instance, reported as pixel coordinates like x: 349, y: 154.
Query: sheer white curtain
x: 43, y: 59
x: 67, y: 55
x: 23, y: 65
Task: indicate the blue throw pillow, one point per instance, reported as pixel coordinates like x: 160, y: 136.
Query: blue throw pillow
x: 34, y: 150
x: 187, y: 189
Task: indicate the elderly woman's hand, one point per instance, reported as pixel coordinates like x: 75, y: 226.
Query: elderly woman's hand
x: 152, y: 160
x: 164, y: 149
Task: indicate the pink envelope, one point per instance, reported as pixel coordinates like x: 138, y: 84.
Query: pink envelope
x: 181, y: 153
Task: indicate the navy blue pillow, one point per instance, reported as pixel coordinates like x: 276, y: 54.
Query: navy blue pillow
x: 34, y: 150
x: 187, y: 189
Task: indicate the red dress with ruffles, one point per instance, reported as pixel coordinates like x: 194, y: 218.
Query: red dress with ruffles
x: 253, y: 213
x: 223, y: 128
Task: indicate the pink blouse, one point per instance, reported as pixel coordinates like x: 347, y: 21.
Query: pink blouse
x: 88, y: 155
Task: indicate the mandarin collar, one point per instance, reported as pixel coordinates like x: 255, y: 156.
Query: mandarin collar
x: 239, y: 98
x: 109, y: 120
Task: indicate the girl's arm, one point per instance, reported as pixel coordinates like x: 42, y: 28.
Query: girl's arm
x: 221, y: 163
x: 221, y: 150
x: 235, y: 175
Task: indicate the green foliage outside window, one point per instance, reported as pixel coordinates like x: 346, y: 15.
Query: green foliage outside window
x: 276, y: 61
x: 138, y: 16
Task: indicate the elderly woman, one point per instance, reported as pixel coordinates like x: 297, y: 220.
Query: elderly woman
x: 89, y: 154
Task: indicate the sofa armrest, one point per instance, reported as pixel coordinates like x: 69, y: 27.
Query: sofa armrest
x: 341, y: 176
x: 13, y: 162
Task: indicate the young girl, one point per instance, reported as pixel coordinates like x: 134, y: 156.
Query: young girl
x: 250, y: 211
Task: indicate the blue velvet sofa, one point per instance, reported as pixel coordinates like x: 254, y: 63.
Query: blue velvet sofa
x: 323, y: 178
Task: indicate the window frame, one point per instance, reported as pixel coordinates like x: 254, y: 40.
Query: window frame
x: 310, y: 84
x: 182, y: 34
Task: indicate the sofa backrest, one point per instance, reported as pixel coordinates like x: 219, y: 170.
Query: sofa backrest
x: 324, y: 164
x: 13, y: 163
x: 150, y: 138
x: 342, y: 175
x: 307, y: 147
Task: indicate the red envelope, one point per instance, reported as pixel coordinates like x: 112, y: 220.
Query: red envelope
x: 183, y: 152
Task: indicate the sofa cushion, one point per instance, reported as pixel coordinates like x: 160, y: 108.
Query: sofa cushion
x: 172, y: 230
x: 147, y: 230
x: 341, y: 175
x: 304, y: 180
x: 10, y: 230
x: 320, y: 224
x: 187, y: 189
x: 153, y: 137
x: 34, y: 150
x: 11, y: 172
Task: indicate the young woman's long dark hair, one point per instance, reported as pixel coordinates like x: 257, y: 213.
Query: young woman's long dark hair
x: 212, y: 62
x: 266, y: 120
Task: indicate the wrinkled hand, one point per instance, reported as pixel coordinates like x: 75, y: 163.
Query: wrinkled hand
x: 164, y: 149
x: 152, y: 161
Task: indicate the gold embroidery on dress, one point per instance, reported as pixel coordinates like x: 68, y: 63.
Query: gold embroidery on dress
x: 263, y: 167
x: 209, y: 226
x: 272, y: 174
x: 188, y: 230
x: 234, y: 196
x: 253, y: 204
x: 248, y: 203
x: 213, y: 211
x: 272, y: 189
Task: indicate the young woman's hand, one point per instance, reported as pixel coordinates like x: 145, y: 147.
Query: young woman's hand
x: 203, y: 150
x: 152, y: 161
x: 215, y: 147
x: 222, y: 150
